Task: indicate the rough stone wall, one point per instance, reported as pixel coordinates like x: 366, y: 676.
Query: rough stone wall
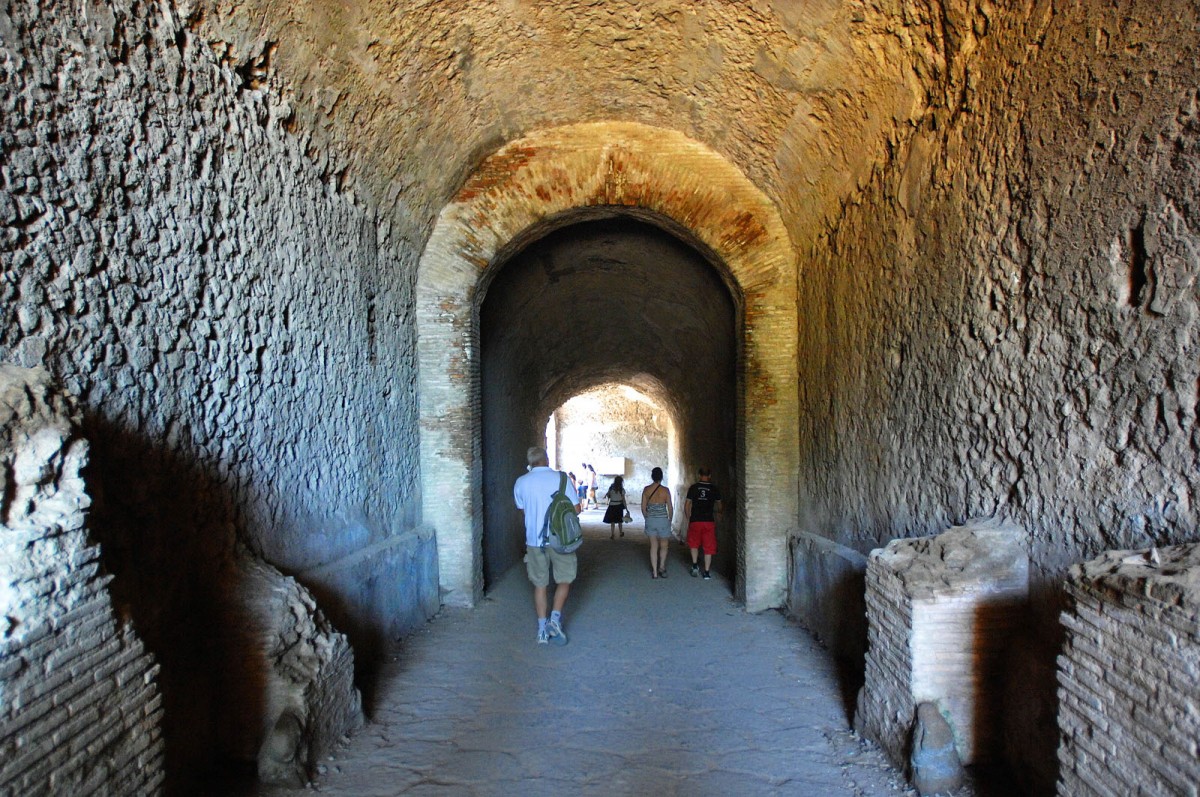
x: 799, y: 96
x: 80, y: 710
x: 1129, y: 711
x: 1004, y: 319
x: 235, y: 321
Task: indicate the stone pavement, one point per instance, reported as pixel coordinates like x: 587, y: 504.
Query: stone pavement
x: 667, y: 687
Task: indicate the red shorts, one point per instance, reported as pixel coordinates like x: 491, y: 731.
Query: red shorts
x: 703, y: 534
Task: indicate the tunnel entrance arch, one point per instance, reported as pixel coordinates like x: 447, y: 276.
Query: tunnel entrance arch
x: 625, y: 297
x: 607, y: 165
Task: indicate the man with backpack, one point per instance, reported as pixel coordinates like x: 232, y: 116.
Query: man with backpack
x: 534, y: 494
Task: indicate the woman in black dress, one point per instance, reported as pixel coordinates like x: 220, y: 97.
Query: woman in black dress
x: 614, y: 516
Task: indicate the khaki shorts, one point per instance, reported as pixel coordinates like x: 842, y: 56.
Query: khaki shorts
x: 538, y: 562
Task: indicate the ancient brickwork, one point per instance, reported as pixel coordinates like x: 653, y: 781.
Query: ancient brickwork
x: 942, y: 613
x: 80, y: 710
x: 676, y: 184
x: 1129, y: 712
x: 235, y: 321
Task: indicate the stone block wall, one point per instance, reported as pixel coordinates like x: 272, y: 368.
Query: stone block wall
x: 381, y: 593
x: 826, y: 594
x: 80, y: 710
x: 941, y: 614
x: 234, y: 319
x: 1002, y: 317
x: 1129, y: 702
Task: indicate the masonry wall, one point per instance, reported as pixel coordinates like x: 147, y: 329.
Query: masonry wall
x: 235, y: 321
x: 1127, y: 674
x: 1004, y: 319
x: 80, y: 709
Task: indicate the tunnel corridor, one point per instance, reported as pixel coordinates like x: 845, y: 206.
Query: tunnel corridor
x: 655, y: 694
x: 287, y: 288
x: 614, y: 300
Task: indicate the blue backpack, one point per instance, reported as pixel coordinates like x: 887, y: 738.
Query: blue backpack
x: 560, y: 529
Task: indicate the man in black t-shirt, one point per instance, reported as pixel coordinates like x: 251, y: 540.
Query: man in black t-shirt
x: 702, y: 507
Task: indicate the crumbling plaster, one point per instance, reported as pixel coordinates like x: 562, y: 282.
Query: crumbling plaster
x: 802, y: 98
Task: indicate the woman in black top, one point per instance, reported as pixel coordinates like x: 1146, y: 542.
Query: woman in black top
x: 614, y: 516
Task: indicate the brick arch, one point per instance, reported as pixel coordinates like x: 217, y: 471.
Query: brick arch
x: 593, y: 165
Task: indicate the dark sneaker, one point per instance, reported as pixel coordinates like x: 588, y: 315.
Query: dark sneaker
x: 695, y: 570
x: 707, y: 576
x: 557, y: 635
x: 662, y: 573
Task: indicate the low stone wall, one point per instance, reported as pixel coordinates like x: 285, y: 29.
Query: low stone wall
x: 825, y: 593
x: 80, y: 711
x: 941, y: 612
x: 380, y: 593
x: 1129, y: 708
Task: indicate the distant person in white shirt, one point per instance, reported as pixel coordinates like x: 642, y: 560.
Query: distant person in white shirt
x: 532, y: 493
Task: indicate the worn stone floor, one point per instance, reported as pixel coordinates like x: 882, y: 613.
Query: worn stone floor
x: 666, y: 687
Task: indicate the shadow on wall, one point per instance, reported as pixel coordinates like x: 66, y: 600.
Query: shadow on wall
x: 165, y: 526
x: 254, y: 680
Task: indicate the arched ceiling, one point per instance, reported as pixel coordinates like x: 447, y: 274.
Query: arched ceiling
x: 804, y: 98
x: 613, y: 301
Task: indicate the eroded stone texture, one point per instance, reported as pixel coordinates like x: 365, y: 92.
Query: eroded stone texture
x: 1129, y: 712
x: 309, y: 697
x: 942, y: 612
x: 80, y: 710
x: 1004, y: 318
x: 236, y: 324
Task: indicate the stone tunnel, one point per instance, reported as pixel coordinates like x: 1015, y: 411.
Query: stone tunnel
x: 288, y: 289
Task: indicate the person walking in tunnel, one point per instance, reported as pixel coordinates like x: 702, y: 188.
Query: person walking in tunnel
x: 614, y: 516
x: 593, y: 483
x: 532, y: 494
x: 701, y: 509
x: 583, y: 485
x: 659, y: 511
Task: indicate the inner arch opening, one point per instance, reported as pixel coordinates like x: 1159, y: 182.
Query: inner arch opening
x: 585, y: 303
x: 619, y: 430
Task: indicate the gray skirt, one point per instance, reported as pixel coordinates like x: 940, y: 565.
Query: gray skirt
x: 658, y: 526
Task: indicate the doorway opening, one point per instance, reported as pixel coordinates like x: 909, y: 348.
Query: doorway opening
x: 618, y: 430
x: 553, y: 178
x: 588, y: 316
